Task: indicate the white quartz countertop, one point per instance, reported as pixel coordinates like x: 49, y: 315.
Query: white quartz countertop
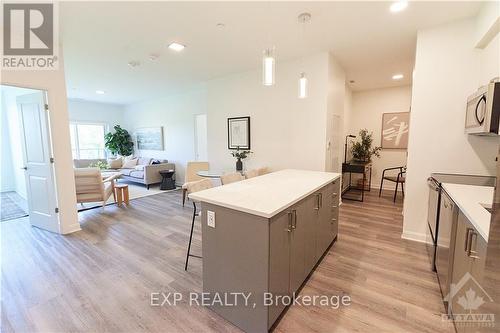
x: 471, y: 200
x: 269, y: 194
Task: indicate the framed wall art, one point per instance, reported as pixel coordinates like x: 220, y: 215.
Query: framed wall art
x: 238, y: 133
x: 395, y: 130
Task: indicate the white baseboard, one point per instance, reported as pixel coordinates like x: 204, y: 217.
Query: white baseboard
x: 414, y: 236
x: 71, y: 228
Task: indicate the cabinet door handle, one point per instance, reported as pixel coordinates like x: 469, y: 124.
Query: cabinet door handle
x: 333, y: 220
x: 317, y: 202
x: 472, y: 253
x: 289, y: 226
x: 321, y: 200
x: 467, y: 235
x: 335, y: 206
x: 334, y: 194
x: 294, y: 224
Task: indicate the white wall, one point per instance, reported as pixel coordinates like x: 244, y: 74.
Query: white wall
x: 53, y: 82
x: 87, y: 111
x: 286, y: 132
x: 336, y: 102
x: 176, y: 115
x: 446, y: 73
x: 7, y: 178
x: 367, y: 109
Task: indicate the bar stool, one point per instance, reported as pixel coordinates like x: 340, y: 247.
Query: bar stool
x: 191, y: 188
x: 122, y: 194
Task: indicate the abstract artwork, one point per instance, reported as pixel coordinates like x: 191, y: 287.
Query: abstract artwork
x: 238, y: 133
x: 150, y: 138
x: 395, y: 127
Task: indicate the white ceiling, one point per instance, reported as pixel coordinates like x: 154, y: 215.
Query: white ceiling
x: 100, y: 38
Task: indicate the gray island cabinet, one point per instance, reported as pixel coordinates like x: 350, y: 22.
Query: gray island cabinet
x: 267, y: 235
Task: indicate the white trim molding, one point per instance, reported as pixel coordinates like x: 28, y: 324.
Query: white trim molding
x: 414, y: 236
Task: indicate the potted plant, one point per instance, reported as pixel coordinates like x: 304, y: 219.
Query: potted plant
x: 362, y: 150
x: 240, y: 155
x: 119, y: 142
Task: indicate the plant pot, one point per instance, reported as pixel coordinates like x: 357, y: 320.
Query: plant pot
x: 239, y: 165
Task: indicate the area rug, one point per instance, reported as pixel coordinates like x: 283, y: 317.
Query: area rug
x: 134, y: 190
x: 9, y: 208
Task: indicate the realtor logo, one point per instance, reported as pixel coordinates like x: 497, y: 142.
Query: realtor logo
x: 466, y: 298
x: 29, y: 36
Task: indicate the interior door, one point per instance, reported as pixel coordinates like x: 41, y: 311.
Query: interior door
x: 201, y: 137
x: 37, y: 154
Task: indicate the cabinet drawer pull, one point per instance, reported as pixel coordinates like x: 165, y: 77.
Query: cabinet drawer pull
x: 335, y: 206
x: 334, y: 194
x: 333, y: 220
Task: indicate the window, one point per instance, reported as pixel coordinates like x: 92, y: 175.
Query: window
x: 87, y: 140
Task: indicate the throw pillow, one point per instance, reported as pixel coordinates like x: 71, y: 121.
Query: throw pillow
x: 129, y: 164
x: 140, y: 167
x: 115, y: 163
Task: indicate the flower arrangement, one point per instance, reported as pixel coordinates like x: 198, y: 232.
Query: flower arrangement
x: 240, y: 155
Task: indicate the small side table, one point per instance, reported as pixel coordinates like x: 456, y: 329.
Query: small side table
x: 167, y: 182
x: 122, y: 194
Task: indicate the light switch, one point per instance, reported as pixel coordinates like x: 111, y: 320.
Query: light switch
x: 211, y: 218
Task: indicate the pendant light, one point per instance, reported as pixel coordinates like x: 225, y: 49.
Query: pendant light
x: 303, y: 19
x: 268, y: 67
x: 269, y: 56
x: 302, y: 85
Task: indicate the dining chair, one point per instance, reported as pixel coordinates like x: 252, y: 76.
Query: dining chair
x: 231, y: 178
x: 91, y: 187
x: 193, y: 187
x: 400, y: 178
x: 191, y: 175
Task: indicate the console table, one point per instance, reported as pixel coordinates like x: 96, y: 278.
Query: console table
x: 358, y: 167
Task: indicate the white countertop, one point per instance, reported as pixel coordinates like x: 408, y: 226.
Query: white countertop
x: 470, y: 199
x: 269, y: 194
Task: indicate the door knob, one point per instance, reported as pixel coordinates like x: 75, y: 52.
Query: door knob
x: 24, y: 168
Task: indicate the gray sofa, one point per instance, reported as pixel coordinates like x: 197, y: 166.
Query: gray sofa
x: 148, y: 176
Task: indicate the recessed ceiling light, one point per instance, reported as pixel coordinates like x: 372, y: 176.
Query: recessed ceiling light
x: 176, y: 46
x: 397, y: 76
x: 398, y: 6
x: 100, y: 92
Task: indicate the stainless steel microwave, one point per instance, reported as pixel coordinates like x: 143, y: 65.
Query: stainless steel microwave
x: 483, y: 111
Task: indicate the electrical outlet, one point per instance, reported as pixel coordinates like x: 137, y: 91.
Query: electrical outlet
x: 211, y: 218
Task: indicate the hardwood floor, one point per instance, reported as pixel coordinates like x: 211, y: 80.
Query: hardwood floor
x: 100, y: 279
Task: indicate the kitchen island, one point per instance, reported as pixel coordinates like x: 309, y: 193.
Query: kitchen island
x: 262, y: 237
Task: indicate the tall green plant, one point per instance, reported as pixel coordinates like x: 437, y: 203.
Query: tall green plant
x: 362, y: 150
x: 119, y: 142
